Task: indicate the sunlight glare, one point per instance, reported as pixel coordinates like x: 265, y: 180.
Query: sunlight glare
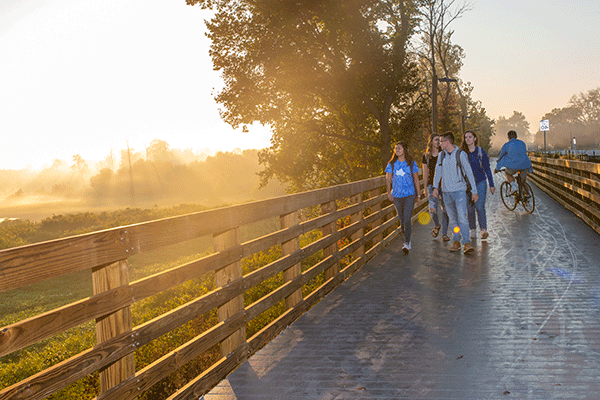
x: 424, y: 218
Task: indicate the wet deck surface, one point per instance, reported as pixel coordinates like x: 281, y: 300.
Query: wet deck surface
x: 518, y: 319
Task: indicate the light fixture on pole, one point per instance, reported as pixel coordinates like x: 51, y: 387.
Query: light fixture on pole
x: 462, y: 102
x: 446, y: 79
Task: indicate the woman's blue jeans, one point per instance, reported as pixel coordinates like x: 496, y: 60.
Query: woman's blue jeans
x: 404, y: 207
x: 479, y: 207
x: 439, y: 211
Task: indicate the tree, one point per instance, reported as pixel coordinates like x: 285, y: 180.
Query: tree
x: 476, y: 118
x: 588, y: 106
x: 439, y: 56
x: 158, y: 150
x: 333, y: 79
x: 516, y: 122
x: 580, y: 119
x: 79, y: 164
x: 128, y: 157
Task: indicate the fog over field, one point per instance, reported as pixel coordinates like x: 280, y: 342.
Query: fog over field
x: 158, y: 176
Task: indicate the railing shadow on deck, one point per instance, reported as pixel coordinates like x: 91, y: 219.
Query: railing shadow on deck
x: 353, y: 221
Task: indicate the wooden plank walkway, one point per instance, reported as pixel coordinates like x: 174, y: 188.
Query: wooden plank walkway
x: 518, y: 319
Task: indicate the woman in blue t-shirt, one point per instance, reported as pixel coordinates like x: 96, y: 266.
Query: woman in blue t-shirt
x: 402, y: 174
x: 480, y: 164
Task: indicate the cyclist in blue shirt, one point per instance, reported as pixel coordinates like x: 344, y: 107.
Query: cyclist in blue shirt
x: 402, y: 181
x: 513, y: 157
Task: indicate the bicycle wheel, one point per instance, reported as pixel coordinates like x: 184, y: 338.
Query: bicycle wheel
x: 509, y: 201
x: 528, y: 198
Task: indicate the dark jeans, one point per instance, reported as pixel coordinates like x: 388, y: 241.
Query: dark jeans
x: 404, y: 207
x: 478, y: 208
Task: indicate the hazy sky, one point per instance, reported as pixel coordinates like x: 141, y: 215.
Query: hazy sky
x: 79, y: 77
x: 530, y: 56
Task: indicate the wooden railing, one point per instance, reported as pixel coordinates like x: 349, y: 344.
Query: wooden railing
x: 574, y: 184
x: 370, y: 224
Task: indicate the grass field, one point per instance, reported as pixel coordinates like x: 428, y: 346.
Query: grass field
x: 22, y: 303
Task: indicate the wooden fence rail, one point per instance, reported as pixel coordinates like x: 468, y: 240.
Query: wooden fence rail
x: 575, y: 184
x: 370, y: 223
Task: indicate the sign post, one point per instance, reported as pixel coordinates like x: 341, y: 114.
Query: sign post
x: 544, y: 127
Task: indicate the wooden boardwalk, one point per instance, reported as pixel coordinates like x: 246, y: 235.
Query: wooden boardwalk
x: 518, y: 319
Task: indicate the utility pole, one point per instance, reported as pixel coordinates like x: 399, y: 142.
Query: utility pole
x: 130, y: 171
x: 434, y: 117
x: 463, y: 102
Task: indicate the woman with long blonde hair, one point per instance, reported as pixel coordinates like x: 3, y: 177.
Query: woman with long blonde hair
x: 430, y: 159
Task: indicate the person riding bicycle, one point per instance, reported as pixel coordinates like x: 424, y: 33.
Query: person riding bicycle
x: 513, y: 158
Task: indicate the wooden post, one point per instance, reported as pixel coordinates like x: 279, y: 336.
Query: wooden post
x: 358, y: 253
x: 104, y: 278
x: 374, y: 209
x: 329, y: 229
x: 223, y: 277
x: 290, y: 247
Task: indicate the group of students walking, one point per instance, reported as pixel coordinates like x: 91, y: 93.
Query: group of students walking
x: 456, y: 184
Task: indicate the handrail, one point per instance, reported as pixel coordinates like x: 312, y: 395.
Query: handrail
x: 369, y: 224
x: 574, y: 184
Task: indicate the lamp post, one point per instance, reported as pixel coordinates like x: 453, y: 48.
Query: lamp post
x: 434, y: 118
x: 463, y: 103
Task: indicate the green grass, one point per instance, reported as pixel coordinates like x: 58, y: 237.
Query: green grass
x: 35, y: 299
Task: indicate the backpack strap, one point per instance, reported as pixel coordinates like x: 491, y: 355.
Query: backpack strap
x: 459, y: 165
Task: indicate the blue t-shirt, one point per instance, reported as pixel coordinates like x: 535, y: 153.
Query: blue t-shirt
x: 402, y: 180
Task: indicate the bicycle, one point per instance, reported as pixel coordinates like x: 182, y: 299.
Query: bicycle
x: 523, y: 195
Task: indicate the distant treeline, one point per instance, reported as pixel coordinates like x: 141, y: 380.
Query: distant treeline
x: 223, y: 177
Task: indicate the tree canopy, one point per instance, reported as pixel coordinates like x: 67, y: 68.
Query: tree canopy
x: 336, y: 81
x: 333, y: 80
x: 516, y: 122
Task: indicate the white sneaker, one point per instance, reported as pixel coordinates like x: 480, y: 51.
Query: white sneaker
x: 473, y: 234
x: 513, y: 189
x: 406, y: 248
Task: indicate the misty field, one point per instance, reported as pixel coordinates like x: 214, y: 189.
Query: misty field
x: 157, y: 178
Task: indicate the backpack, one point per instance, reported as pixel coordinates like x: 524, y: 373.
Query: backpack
x: 459, y: 165
x: 480, y: 157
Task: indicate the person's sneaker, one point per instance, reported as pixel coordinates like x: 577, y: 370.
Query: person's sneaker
x: 484, y: 235
x: 473, y: 234
x: 445, y: 238
x: 406, y: 248
x: 468, y: 249
x: 455, y: 246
